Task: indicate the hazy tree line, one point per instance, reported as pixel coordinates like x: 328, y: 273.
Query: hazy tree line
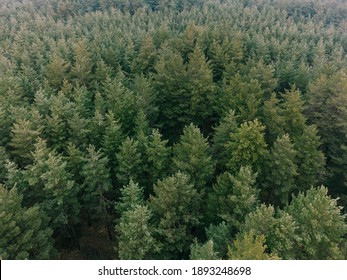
x: 183, y: 129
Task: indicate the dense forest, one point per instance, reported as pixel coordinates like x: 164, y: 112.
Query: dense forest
x: 143, y: 129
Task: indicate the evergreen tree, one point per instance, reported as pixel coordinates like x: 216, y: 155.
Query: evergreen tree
x: 24, y: 231
x: 233, y: 197
x: 247, y: 147
x: 158, y: 156
x: 327, y: 109
x: 131, y: 196
x: 135, y: 234
x: 201, y: 88
x: 273, y: 119
x: 52, y: 187
x: 220, y: 235
x: 97, y: 183
x: 129, y: 162
x: 250, y: 247
x: 320, y: 225
x: 221, y: 137
x: 173, y: 98
x: 175, y: 206
x: 310, y: 159
x: 23, y: 137
x: 278, y: 229
x: 191, y: 156
x: 202, y: 252
x: 282, y: 170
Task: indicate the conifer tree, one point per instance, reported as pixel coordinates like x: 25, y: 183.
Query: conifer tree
x: 57, y: 71
x: 52, y: 186
x: 203, y: 251
x: 191, y: 156
x: 310, y: 159
x: 23, y: 137
x: 158, y: 156
x: 24, y: 231
x: 175, y: 206
x: 250, y: 247
x: 233, y: 197
x: 273, y: 119
x: 129, y: 162
x: 320, y: 225
x: 96, y: 183
x: 221, y: 137
x: 282, y: 170
x: 201, y: 88
x: 173, y: 98
x: 134, y: 229
x: 247, y: 147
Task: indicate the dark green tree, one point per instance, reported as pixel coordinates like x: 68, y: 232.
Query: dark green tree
x: 175, y: 206
x: 247, y: 147
x: 191, y: 156
x: 24, y: 231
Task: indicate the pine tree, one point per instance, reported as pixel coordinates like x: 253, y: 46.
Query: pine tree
x: 129, y: 162
x: 221, y: 137
x: 158, y: 156
x: 326, y: 107
x: 173, y: 98
x: 247, y: 147
x: 244, y: 98
x: 233, y: 197
x: 52, y: 187
x: 130, y: 197
x: 57, y: 71
x: 282, y: 170
x: 203, y: 252
x: 145, y: 61
x: 321, y: 226
x: 135, y: 235
x: 310, y: 159
x: 191, y: 156
x: 82, y: 67
x: 23, y: 137
x: 112, y: 139
x: 250, y: 247
x: 24, y: 231
x: 96, y: 183
x: 220, y: 235
x: 175, y: 206
x: 201, y: 88
x: 273, y: 119
x: 278, y: 229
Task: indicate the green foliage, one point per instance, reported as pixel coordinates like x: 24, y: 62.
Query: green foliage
x: 158, y: 156
x: 51, y: 186
x: 96, y: 182
x: 220, y: 235
x: 250, y: 247
x: 201, y: 88
x: 233, y: 197
x: 131, y: 196
x: 222, y: 134
x: 247, y: 147
x: 175, y: 206
x: 24, y: 231
x: 129, y: 161
x: 202, y: 252
x: 282, y: 169
x: 320, y: 225
x: 135, y: 234
x: 191, y: 156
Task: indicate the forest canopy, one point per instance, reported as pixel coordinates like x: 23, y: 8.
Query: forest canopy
x: 138, y: 129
